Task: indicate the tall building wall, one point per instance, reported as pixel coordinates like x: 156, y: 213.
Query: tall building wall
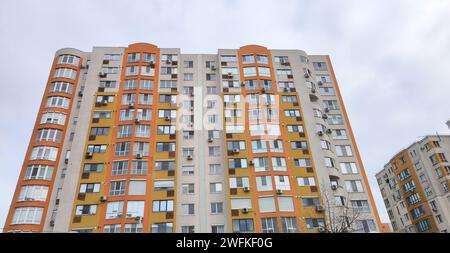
x: 245, y: 140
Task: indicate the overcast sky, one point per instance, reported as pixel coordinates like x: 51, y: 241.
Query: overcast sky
x: 392, y: 58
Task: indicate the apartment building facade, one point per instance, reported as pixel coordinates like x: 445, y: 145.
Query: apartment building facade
x: 414, y: 185
x: 146, y: 139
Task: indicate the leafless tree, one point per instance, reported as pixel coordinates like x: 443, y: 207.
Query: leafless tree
x: 340, y: 217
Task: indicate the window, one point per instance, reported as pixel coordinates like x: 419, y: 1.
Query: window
x: 327, y: 91
x: 187, y: 209
x: 282, y: 183
x: 52, y: 135
x: 137, y: 187
x: 360, y: 205
x: 215, y: 187
x: 276, y: 146
x: 236, y: 145
x: 188, y: 77
x: 114, y: 228
x: 248, y: 59
x: 243, y: 225
x: 310, y: 201
x: 146, y: 85
x: 323, y: 78
x: 162, y: 206
x: 349, y: 168
x: 163, y: 227
x: 93, y: 167
x: 142, y: 131
x: 169, y: 57
x: 249, y: 71
x: 139, y: 167
x: 53, y: 118
x: 299, y: 145
x: 343, y: 150
x: 126, y: 114
x: 119, y: 168
x: 335, y: 119
x: 264, y: 71
x: 292, y: 113
x: 228, y: 58
x: 140, y: 148
x: 33, y: 193
x: 187, y: 170
x: 133, y: 57
x: 65, y: 73
x: 39, y: 172
x: 168, y: 70
x: 86, y: 210
x: 102, y: 114
x: 188, y: 64
x: 339, y: 134
x: 90, y: 188
x: 289, y: 224
x: 98, y: 131
x: 114, y: 209
x: 217, y: 229
x: 165, y: 147
x: 299, y: 162
x: 366, y: 226
x: 117, y: 188
x: 240, y: 203
x: 147, y: 71
x: 44, y: 153
x: 261, y: 164
x: 320, y: 66
x: 279, y: 164
x: 215, y: 169
x: 269, y: 225
x: 131, y: 71
x: 306, y: 181
x: 124, y: 131
x: 135, y: 209
x: 329, y: 162
x: 266, y: 204
x: 165, y: 165
x: 312, y: 223
x: 188, y: 188
x: 237, y: 163
x: 63, y: 87
x: 263, y: 183
x: 58, y: 102
x: 187, y: 229
x: 239, y: 182
x: 163, y: 185
x: 285, y: 204
x: 122, y: 149
x: 262, y: 59
x: 354, y: 186
x: 423, y: 225
x: 216, y: 207
x: 281, y: 59
x: 168, y: 84
x: 417, y: 212
x: 27, y: 215
x: 331, y: 104
x: 167, y: 114
x: 69, y: 59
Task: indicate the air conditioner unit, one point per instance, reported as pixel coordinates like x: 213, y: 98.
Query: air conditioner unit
x: 129, y: 215
x: 101, y: 74
x: 242, y: 83
x: 319, y: 83
x: 131, y: 105
x: 137, y: 121
x: 167, y: 118
x: 139, y: 156
x: 319, y: 209
x: 251, y: 162
x: 52, y: 223
x: 191, y: 94
x: 279, y: 191
x: 103, y: 198
x: 89, y: 154
x: 104, y: 102
x: 263, y: 90
x: 246, y: 189
x: 306, y: 75
x: 334, y: 187
x: 168, y: 61
x: 313, y: 90
x: 80, y: 93
x: 192, y: 109
x: 189, y: 157
x: 29, y: 199
x: 230, y: 74
x: 210, y: 139
x: 236, y: 151
x: 285, y: 89
x: 213, y: 68
x: 324, y: 116
x: 322, y: 230
x: 329, y: 131
x: 434, y: 209
x: 320, y: 133
x: 245, y: 210
x: 119, y: 215
x: 327, y: 109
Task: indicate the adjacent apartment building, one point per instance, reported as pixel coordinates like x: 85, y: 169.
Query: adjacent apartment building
x: 146, y: 139
x: 414, y: 185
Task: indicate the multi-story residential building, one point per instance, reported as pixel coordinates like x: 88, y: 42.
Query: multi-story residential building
x: 146, y: 139
x: 414, y: 185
